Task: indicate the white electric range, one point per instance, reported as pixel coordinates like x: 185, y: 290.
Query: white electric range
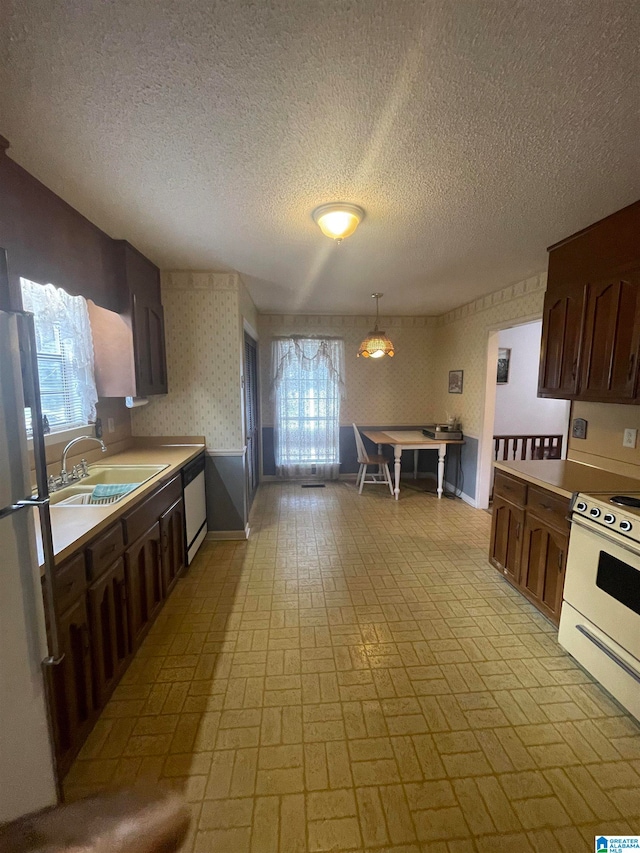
x: 600, y: 618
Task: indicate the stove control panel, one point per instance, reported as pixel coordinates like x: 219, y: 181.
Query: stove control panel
x: 613, y: 515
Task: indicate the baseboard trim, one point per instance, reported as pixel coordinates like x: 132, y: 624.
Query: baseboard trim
x: 463, y: 495
x: 271, y: 478
x: 221, y: 535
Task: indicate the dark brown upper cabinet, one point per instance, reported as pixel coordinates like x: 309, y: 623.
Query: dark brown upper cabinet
x: 561, y: 340
x: 130, y: 356
x: 611, y: 338
x: 143, y: 283
x: 591, y: 318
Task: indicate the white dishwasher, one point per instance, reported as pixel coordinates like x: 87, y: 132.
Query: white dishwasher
x: 195, y: 505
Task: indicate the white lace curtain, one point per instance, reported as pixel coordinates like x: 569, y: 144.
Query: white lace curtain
x: 308, y: 384
x: 65, y: 354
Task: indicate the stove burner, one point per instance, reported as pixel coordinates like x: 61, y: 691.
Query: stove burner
x: 625, y: 500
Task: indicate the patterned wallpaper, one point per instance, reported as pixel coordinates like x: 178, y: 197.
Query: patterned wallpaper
x: 411, y: 388
x: 461, y: 338
x: 248, y: 310
x: 395, y: 390
x: 202, y: 318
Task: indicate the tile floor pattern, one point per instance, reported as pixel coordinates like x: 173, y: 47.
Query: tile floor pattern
x: 356, y: 677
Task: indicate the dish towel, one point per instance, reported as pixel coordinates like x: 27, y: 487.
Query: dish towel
x: 108, y: 494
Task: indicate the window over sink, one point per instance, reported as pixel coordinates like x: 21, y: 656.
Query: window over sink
x: 65, y: 356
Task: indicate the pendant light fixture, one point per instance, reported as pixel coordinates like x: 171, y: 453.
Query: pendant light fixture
x: 338, y: 220
x: 376, y: 344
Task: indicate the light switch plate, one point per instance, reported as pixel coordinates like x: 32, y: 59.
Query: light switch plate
x: 630, y: 438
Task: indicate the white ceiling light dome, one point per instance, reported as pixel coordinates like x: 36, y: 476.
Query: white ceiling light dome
x: 338, y: 220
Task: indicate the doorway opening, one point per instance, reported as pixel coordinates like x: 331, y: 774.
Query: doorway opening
x: 518, y: 425
x: 251, y: 417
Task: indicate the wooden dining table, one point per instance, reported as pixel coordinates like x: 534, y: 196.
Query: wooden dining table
x: 411, y: 439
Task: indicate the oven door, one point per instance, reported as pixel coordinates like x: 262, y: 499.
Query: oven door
x: 603, y: 582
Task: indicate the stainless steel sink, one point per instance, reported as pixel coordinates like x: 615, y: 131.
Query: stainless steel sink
x: 80, y: 492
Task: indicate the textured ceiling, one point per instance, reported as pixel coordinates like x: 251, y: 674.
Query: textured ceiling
x: 474, y: 134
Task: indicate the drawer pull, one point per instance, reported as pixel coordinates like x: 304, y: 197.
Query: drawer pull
x: 546, y: 506
x: 69, y: 586
x: 108, y: 550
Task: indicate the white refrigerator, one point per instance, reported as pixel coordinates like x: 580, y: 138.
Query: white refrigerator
x: 27, y: 771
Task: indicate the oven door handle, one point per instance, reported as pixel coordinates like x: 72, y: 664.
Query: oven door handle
x: 609, y: 652
x: 606, y: 535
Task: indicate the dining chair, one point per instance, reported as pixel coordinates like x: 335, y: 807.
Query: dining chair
x: 365, y: 459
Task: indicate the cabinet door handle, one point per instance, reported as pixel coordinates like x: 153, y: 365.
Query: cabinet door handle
x: 518, y: 530
x: 560, y: 560
x: 632, y: 360
x: 574, y: 369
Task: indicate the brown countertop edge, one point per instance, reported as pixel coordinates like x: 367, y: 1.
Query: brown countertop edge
x: 565, y: 477
x: 74, y: 527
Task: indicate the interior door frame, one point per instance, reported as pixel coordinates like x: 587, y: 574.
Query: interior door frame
x: 485, y: 452
x: 249, y: 332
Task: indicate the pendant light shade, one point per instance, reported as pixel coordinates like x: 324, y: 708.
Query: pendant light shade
x: 376, y: 344
x: 338, y: 220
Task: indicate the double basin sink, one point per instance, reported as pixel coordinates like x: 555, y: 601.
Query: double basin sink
x: 81, y: 492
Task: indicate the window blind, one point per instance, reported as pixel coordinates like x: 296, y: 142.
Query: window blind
x: 64, y: 348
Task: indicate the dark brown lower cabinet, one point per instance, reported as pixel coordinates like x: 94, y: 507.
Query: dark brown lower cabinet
x: 143, y: 565
x: 506, y: 538
x: 109, y: 624
x: 172, y: 537
x: 72, y: 683
x: 544, y: 556
x: 529, y: 541
x: 102, y: 625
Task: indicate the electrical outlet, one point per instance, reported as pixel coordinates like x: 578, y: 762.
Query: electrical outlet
x: 630, y: 438
x: 111, y: 425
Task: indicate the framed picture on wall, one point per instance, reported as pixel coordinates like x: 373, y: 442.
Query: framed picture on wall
x: 455, y: 381
x: 504, y: 357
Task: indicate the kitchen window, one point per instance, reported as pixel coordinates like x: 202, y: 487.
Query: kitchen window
x: 308, y: 384
x: 65, y: 356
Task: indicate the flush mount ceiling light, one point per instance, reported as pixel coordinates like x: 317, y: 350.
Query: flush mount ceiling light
x: 376, y: 344
x: 338, y: 220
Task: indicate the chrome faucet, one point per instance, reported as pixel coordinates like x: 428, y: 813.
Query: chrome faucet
x: 64, y: 477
